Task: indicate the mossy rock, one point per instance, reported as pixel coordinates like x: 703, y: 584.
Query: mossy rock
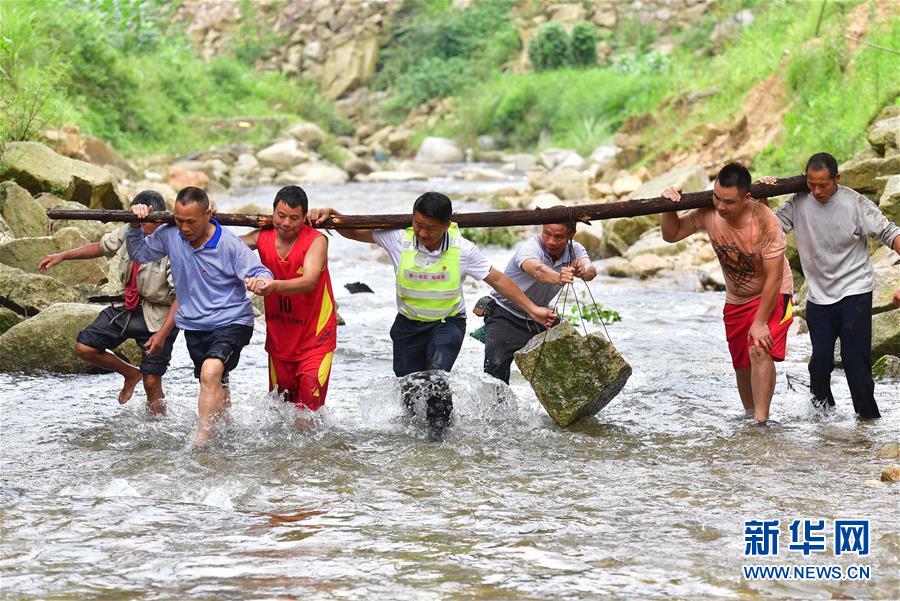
x: 886, y: 334
x: 38, y: 169
x: 620, y: 234
x: 573, y: 376
x: 26, y: 254
x: 45, y: 343
x: 887, y: 367
x: 31, y: 292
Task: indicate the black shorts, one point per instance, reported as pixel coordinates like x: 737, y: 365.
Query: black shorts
x: 224, y: 343
x: 115, y: 325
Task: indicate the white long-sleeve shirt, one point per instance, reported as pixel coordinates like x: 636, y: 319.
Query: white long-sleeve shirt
x: 831, y: 241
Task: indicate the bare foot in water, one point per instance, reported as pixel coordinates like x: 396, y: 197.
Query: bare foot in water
x: 128, y: 389
x: 156, y: 407
x: 203, y: 435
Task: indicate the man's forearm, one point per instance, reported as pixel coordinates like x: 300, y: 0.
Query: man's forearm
x: 510, y: 291
x: 768, y: 298
x: 88, y: 251
x: 301, y: 285
x: 169, y: 323
x: 668, y: 226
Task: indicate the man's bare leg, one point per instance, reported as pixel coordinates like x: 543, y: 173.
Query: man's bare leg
x: 745, y: 388
x: 212, y: 399
x: 156, y: 404
x: 111, y: 362
x: 762, y: 378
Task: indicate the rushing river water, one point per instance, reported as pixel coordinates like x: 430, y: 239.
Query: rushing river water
x: 647, y: 500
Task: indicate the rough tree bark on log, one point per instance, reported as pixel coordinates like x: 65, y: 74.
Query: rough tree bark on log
x: 563, y: 214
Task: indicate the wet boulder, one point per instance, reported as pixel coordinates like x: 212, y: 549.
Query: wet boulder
x: 22, y: 213
x: 889, y: 451
x: 26, y: 254
x: 891, y: 473
x: 45, y: 343
x: 38, y: 169
x: 573, y: 376
x: 30, y: 293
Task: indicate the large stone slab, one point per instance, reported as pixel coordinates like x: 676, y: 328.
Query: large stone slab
x: 45, y: 343
x: 21, y: 212
x: 573, y: 376
x: 38, y: 169
x: 26, y: 254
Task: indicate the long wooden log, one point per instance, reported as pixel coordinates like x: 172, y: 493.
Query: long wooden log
x: 563, y: 214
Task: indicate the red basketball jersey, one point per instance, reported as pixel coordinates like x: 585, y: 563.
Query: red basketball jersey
x: 297, y: 324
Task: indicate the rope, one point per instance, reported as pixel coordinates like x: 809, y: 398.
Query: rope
x: 564, y: 293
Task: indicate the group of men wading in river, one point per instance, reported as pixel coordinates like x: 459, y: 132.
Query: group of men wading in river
x: 194, y: 276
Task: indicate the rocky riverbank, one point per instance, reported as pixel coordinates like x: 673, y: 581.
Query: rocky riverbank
x: 87, y: 172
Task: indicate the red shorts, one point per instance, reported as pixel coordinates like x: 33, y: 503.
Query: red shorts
x: 739, y: 318
x: 303, y: 382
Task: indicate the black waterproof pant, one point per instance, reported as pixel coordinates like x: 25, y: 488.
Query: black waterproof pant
x: 849, y: 319
x: 504, y: 334
x: 430, y: 347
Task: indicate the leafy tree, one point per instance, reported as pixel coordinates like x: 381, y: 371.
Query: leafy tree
x: 584, y: 45
x: 549, y: 49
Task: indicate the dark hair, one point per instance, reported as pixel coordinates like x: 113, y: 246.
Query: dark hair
x: 570, y: 225
x: 434, y: 205
x: 823, y: 160
x: 192, y: 194
x: 151, y: 198
x: 292, y: 196
x: 734, y: 175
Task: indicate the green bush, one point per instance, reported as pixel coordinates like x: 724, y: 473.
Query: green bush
x: 584, y: 44
x: 437, y: 51
x: 550, y: 47
x: 506, y: 237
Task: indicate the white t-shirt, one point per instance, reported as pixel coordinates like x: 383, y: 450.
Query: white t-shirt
x: 471, y: 261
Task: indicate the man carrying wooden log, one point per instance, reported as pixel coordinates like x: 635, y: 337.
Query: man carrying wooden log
x: 146, y: 312
x: 541, y: 266
x: 209, y: 266
x: 301, y: 325
x: 831, y: 223
x: 749, y: 244
x: 431, y: 259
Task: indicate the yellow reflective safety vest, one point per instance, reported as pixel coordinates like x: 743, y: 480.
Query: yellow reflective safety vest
x: 429, y: 288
